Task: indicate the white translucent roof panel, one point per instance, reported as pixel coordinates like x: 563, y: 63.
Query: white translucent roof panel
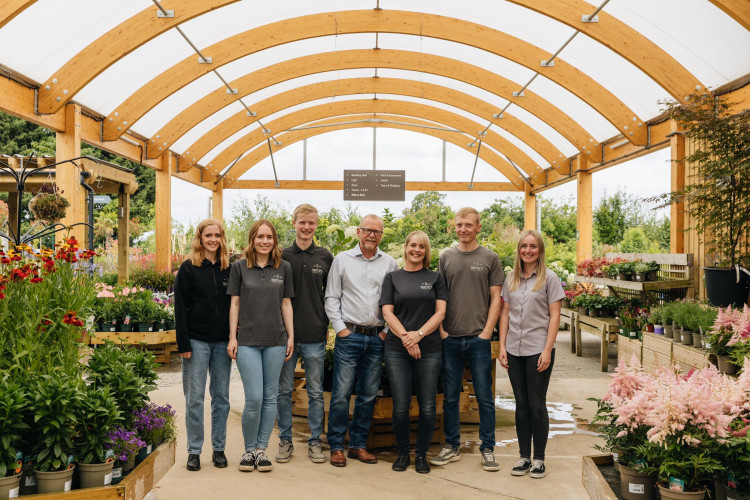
x: 49, y: 32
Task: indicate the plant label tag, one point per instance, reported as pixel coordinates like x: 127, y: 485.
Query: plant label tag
x: 68, y: 484
x: 71, y: 458
x: 116, y: 473
x: 676, y: 484
x: 19, y: 461
x: 30, y: 481
x: 108, y: 479
x: 638, y: 489
x: 149, y: 449
x: 14, y: 492
x: 109, y: 456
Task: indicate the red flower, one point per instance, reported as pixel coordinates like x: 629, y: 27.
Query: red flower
x: 36, y: 279
x: 5, y: 260
x: 69, y: 318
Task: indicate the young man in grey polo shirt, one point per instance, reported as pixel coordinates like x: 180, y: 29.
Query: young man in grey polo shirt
x: 310, y: 265
x: 352, y: 296
x: 474, y: 278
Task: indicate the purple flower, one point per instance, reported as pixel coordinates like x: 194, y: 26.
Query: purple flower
x: 125, y: 443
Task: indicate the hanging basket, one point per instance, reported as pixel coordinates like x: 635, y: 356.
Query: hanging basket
x: 49, y: 207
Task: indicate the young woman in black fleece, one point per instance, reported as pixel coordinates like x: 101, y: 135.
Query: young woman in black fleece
x: 202, y: 316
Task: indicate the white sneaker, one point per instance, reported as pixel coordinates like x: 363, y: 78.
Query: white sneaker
x: 446, y: 456
x: 488, y: 461
x: 538, y: 470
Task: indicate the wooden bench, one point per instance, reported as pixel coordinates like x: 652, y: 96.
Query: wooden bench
x: 606, y: 328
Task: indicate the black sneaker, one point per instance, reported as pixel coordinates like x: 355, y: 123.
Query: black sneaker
x: 262, y: 463
x: 193, y: 462
x: 521, y: 467
x: 219, y: 459
x: 538, y: 470
x: 421, y: 464
x: 247, y: 463
x: 401, y: 463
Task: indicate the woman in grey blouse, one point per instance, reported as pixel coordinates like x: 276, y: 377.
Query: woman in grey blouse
x: 529, y: 321
x: 261, y: 335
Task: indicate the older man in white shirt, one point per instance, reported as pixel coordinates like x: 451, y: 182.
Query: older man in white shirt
x: 352, y: 294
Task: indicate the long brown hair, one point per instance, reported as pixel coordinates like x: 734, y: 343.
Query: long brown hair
x: 541, y: 267
x: 197, y: 254
x: 275, y: 256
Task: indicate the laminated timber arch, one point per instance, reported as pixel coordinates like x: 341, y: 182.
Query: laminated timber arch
x: 375, y: 106
x: 350, y: 122
x: 11, y: 8
x: 371, y: 106
x: 365, y: 85
x: 395, y: 59
x: 386, y: 21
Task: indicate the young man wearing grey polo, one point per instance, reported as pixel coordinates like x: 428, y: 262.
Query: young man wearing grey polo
x: 354, y: 285
x: 474, y: 277
x: 310, y: 265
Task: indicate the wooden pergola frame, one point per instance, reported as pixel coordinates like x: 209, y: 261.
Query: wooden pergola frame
x: 51, y: 103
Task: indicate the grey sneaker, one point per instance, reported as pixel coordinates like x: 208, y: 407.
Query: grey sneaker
x: 488, y: 461
x: 286, y: 448
x: 262, y: 463
x: 447, y: 454
x: 521, y: 467
x: 538, y: 470
x: 247, y: 462
x: 315, y: 453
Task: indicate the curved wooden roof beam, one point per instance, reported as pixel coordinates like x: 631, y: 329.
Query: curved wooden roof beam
x: 396, y: 59
x: 343, y: 123
x: 11, y: 8
x: 118, y: 42
x: 383, y: 21
x: 365, y: 85
x: 739, y: 10
x: 374, y: 106
x: 622, y: 39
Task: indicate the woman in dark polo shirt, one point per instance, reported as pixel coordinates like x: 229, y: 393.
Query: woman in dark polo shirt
x: 202, y: 314
x: 261, y: 335
x: 413, y: 302
x: 529, y: 321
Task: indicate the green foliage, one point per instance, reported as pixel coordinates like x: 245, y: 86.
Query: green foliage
x: 635, y: 241
x: 98, y: 414
x: 559, y: 220
x: 18, y: 136
x: 609, y: 219
x: 160, y: 281
x: 13, y: 408
x: 502, y: 214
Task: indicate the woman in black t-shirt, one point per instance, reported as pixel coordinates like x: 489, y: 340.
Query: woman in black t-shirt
x: 413, y: 301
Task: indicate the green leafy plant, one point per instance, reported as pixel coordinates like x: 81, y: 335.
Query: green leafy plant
x: 48, y: 204
x: 13, y: 413
x: 161, y: 281
x: 97, y: 414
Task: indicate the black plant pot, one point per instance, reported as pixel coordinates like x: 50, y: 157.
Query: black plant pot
x: 722, y: 287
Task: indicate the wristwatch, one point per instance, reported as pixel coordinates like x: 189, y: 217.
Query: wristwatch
x: 421, y: 333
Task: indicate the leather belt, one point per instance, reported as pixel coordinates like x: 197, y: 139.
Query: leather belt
x: 363, y: 329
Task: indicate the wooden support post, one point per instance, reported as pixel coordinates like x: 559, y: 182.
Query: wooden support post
x: 217, y: 202
x: 529, y: 213
x: 123, y: 236
x: 584, y: 216
x: 677, y: 210
x: 164, y: 212
x: 13, y: 205
x: 67, y: 175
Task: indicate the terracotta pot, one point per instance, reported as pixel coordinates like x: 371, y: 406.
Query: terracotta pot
x: 92, y: 475
x: 636, y: 485
x: 667, y: 494
x: 49, y: 482
x: 10, y: 486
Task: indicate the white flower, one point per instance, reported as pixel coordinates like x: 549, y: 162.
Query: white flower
x: 332, y: 229
x: 351, y: 232
x: 400, y: 262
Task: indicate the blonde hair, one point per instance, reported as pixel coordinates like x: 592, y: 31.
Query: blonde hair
x: 427, y: 247
x: 305, y: 208
x: 197, y: 253
x: 541, y: 268
x: 249, y: 253
x: 468, y: 211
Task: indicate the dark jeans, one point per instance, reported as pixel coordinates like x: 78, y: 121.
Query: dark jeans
x: 401, y: 369
x: 530, y: 391
x: 478, y: 353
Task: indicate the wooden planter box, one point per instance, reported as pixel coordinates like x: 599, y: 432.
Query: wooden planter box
x: 689, y: 357
x: 657, y: 350
x: 627, y: 348
x: 134, y: 486
x: 592, y: 479
x: 162, y: 344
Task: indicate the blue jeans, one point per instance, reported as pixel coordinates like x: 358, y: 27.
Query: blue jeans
x: 530, y: 391
x: 478, y: 353
x: 259, y: 368
x: 360, y: 356
x: 401, y: 369
x: 207, y: 357
x: 313, y: 355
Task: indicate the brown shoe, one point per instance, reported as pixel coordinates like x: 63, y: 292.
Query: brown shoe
x: 363, y: 455
x: 338, y: 459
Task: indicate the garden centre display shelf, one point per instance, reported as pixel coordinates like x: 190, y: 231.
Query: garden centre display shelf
x: 606, y: 328
x: 656, y: 350
x: 135, y: 486
x: 163, y: 343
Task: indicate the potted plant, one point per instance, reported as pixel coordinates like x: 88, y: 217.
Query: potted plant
x: 98, y: 414
x: 154, y: 425
x: 667, y: 314
x: 652, y: 271
x: 628, y: 270
x: 656, y: 319
x: 142, y: 315
x: 48, y: 204
x: 640, y: 269
x: 53, y: 404
x: 718, y: 201
x: 13, y: 406
x: 125, y: 446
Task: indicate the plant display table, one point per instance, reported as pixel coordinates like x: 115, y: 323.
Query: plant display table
x: 658, y: 350
x: 163, y: 343
x: 606, y: 328
x: 135, y: 486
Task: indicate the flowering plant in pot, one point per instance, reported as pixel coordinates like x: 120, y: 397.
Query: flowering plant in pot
x: 48, y: 204
x: 97, y: 416
x: 13, y: 407
x: 154, y: 425
x: 125, y: 446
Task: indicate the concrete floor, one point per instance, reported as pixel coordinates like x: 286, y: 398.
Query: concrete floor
x: 573, y: 381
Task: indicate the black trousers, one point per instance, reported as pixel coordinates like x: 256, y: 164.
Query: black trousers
x: 530, y: 391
